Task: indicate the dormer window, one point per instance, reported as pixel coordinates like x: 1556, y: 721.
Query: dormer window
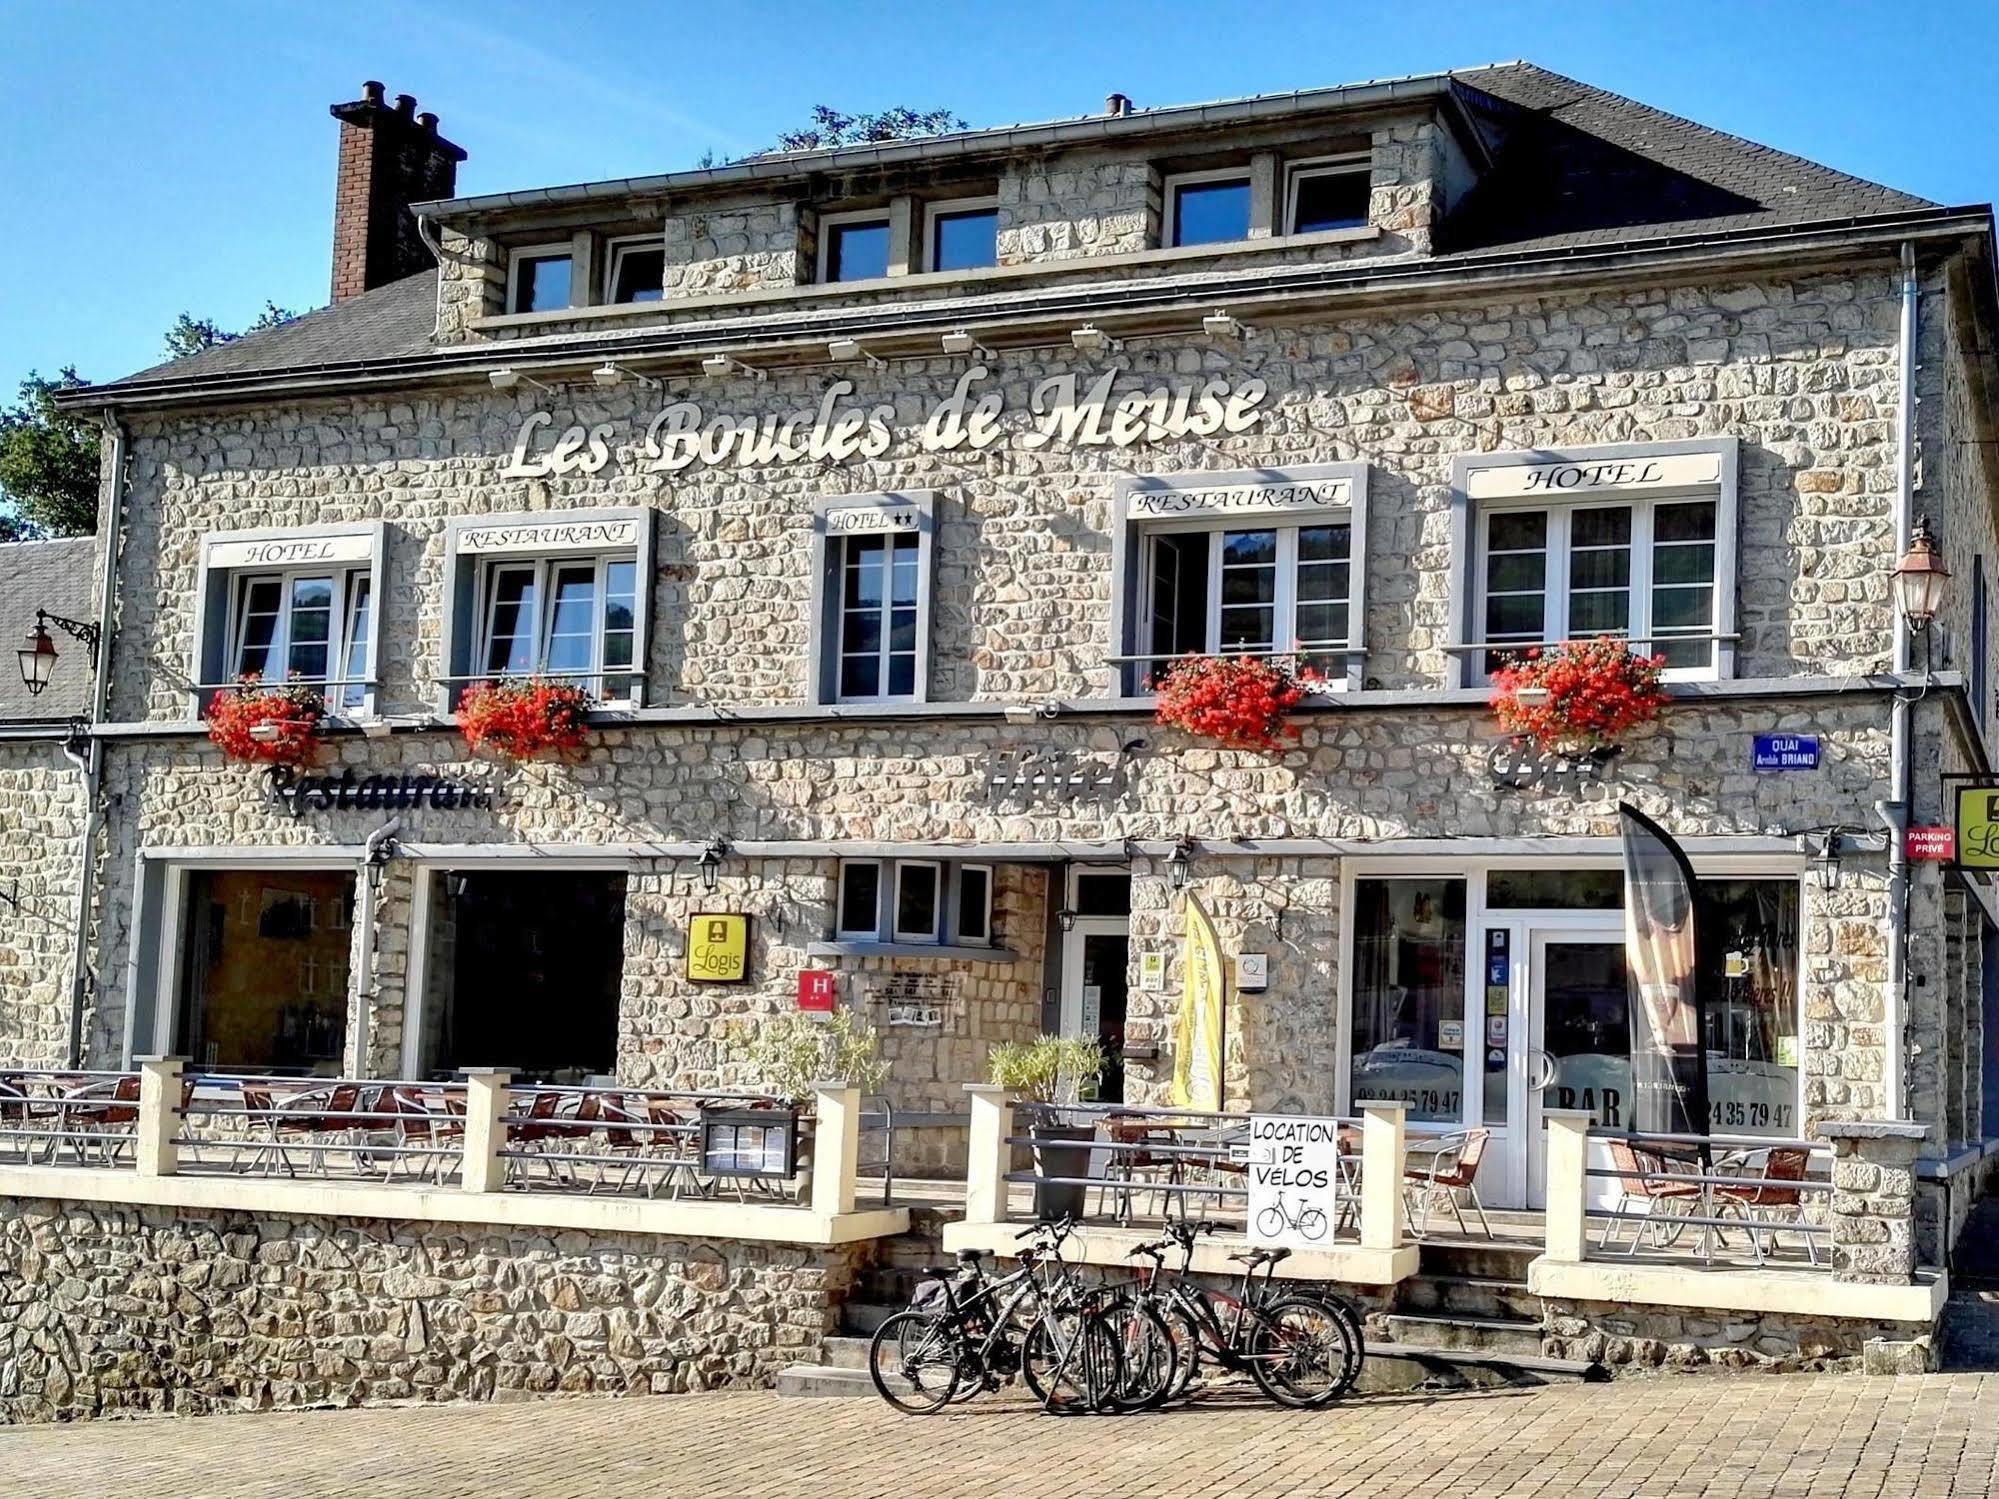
x: 1328, y: 192
x: 853, y: 246
x: 962, y: 235
x: 538, y: 278
x: 1207, y: 208
x: 636, y: 270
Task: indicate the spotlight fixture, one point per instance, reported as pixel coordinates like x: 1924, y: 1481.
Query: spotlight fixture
x: 1093, y: 340
x: 506, y: 378
x: 1219, y: 325
x: 845, y: 350
x: 958, y: 343
x: 609, y: 375
x: 715, y: 366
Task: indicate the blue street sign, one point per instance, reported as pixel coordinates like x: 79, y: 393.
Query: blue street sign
x: 1785, y: 752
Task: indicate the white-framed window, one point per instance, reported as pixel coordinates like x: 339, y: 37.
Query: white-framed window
x: 539, y: 277
x: 919, y: 900
x: 634, y: 269
x: 961, y: 234
x: 1327, y: 192
x: 973, y: 925
x: 872, y: 614
x: 860, y: 898
x: 854, y: 246
x: 1207, y: 208
x: 1632, y: 540
x: 1260, y: 563
x: 291, y: 605
x: 562, y: 595
x: 571, y: 619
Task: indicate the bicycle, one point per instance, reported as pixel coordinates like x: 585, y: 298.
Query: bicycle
x: 1303, y: 1348
x: 1035, y: 1323
x: 1309, y: 1221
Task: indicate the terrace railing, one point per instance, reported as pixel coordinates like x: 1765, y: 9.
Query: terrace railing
x: 68, y: 1117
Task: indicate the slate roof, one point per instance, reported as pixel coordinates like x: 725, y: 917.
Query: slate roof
x: 51, y: 575
x: 1572, y: 166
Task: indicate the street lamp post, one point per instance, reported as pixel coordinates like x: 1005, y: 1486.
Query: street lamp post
x: 39, y: 656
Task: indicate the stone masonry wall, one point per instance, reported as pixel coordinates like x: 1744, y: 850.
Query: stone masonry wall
x: 1644, y: 1338
x: 733, y: 246
x: 109, y: 1310
x: 41, y: 831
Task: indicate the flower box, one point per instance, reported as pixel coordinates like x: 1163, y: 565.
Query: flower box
x: 276, y: 725
x: 1579, y: 698
x: 520, y: 720
x: 1240, y: 702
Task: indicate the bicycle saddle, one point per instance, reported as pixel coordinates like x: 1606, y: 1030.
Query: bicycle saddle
x: 1263, y: 1256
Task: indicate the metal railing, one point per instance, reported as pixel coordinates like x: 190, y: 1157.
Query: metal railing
x: 569, y: 1138
x: 364, y: 1129
x: 67, y: 1116
x: 1699, y: 1197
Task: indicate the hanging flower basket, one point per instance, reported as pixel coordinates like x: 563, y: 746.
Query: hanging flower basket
x: 1240, y: 702
x: 523, y: 719
x: 267, y: 725
x: 1577, y: 698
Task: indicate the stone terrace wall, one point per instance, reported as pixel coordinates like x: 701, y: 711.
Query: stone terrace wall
x: 1641, y: 1339
x: 41, y: 832
x: 116, y: 1311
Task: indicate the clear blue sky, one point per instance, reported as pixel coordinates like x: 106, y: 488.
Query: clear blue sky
x: 163, y: 156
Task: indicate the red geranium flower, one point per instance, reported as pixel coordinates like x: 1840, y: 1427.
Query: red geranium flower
x: 522, y: 719
x: 1577, y: 697
x: 1240, y: 702
x: 267, y: 725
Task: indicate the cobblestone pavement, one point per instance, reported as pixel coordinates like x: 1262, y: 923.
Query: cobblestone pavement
x: 1660, y: 1438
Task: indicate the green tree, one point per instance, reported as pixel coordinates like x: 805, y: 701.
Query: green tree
x: 190, y: 334
x: 48, y: 463
x: 831, y: 128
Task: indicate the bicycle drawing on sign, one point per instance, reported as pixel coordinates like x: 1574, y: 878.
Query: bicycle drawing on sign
x: 1307, y: 1221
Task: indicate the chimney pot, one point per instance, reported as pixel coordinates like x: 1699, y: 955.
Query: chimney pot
x: 406, y: 104
x: 389, y: 159
x: 1117, y: 104
x: 371, y: 92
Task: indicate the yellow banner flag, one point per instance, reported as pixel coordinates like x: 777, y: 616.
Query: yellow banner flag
x: 1197, y: 1053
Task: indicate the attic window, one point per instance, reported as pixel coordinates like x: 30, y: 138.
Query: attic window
x: 1207, y: 208
x: 853, y: 246
x: 538, y: 278
x: 1330, y: 192
x: 637, y: 270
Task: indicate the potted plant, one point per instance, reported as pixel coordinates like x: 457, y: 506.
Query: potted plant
x: 789, y: 1055
x: 1053, y: 1070
x: 267, y: 725
x: 523, y: 719
x: 1240, y: 702
x: 1578, y: 698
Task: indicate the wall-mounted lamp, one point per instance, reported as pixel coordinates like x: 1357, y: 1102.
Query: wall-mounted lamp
x: 39, y: 656
x: 609, y: 375
x: 507, y: 378
x: 710, y: 863
x: 1822, y: 849
x: 1919, y: 577
x: 959, y: 343
x: 715, y: 366
x: 1066, y: 919
x: 1178, y: 864
x: 1219, y: 325
x: 846, y: 350
x: 1093, y: 340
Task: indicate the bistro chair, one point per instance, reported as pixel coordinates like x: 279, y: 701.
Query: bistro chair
x: 1764, y: 1208
x: 1650, y: 1196
x: 13, y: 1114
x: 1452, y: 1173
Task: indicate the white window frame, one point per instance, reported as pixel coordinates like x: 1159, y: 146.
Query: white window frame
x: 1284, y: 603
x: 1170, y: 192
x: 834, y: 520
x: 892, y: 542
x: 873, y: 929
x: 544, y: 567
x: 957, y: 934
x: 614, y: 254
x: 829, y: 221
x: 1345, y: 164
x: 933, y: 212
x: 939, y: 906
x: 340, y: 626
x: 1469, y: 530
x: 520, y: 255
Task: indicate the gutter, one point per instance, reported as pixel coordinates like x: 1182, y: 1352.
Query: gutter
x: 1188, y: 296
x: 91, y: 763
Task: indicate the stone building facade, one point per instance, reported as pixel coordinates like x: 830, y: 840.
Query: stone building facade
x: 1403, y: 332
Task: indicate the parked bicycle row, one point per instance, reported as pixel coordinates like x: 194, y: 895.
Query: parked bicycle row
x: 1082, y: 1346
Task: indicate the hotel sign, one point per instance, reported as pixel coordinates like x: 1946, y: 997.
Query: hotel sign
x: 292, y: 550
x: 866, y: 519
x: 1527, y: 480
x: 1061, y: 410
x: 718, y: 947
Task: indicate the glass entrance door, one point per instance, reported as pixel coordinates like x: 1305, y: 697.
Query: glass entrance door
x: 1095, y: 957
x: 1579, y: 1048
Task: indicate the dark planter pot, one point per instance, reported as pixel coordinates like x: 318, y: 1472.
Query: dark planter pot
x: 1060, y: 1150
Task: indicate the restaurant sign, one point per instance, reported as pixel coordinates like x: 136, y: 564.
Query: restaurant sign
x: 348, y: 792
x: 1061, y: 409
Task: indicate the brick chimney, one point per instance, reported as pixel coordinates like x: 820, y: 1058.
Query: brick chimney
x: 390, y: 157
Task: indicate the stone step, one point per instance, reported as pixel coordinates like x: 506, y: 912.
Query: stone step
x: 1395, y: 1367
x: 845, y: 1352
x: 861, y: 1318
x: 1461, y: 1260
x: 1469, y: 1295
x: 1463, y: 1334
x: 820, y: 1381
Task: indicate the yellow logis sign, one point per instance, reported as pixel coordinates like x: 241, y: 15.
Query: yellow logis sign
x: 1197, y: 1051
x: 718, y: 948
x: 1978, y: 827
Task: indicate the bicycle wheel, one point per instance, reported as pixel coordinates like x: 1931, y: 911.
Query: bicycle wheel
x: 1072, y: 1362
x: 914, y: 1362
x: 1298, y: 1351
x: 1356, y: 1338
x: 1151, y: 1360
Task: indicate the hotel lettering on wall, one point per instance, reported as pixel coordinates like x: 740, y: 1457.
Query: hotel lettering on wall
x: 1062, y: 409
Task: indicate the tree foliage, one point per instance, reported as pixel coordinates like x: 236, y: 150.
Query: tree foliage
x: 830, y: 128
x: 48, y: 463
x: 190, y: 334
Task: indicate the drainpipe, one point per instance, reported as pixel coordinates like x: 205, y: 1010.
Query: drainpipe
x: 91, y: 759
x: 375, y: 855
x: 1895, y: 811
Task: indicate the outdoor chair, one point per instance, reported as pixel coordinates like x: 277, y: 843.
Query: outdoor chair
x: 323, y: 1120
x: 1451, y: 1174
x: 1766, y: 1208
x: 1645, y: 1180
x: 13, y: 1115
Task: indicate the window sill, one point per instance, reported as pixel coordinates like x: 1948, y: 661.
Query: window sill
x: 871, y: 948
